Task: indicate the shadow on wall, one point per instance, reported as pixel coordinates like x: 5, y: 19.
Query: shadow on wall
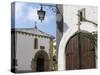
x: 65, y: 28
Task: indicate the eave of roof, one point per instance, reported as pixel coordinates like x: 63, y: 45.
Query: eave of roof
x: 33, y: 31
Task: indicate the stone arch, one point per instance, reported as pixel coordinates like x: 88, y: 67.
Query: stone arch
x: 80, y: 51
x: 46, y: 62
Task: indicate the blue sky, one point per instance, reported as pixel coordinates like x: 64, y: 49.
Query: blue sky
x: 26, y: 16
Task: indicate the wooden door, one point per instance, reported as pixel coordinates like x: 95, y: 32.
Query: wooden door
x: 40, y: 64
x: 80, y: 52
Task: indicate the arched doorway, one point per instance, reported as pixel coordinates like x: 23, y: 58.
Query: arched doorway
x: 80, y: 52
x: 41, y: 62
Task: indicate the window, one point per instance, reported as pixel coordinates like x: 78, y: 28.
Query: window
x: 81, y: 14
x: 42, y: 47
x: 35, y: 43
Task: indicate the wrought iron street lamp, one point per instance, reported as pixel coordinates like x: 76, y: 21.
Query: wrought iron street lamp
x: 41, y: 14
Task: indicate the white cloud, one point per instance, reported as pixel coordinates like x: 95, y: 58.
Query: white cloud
x: 32, y: 14
x: 29, y: 15
x: 18, y: 9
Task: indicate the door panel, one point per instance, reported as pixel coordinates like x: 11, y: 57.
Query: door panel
x: 80, y: 53
x: 72, y: 57
x: 88, y: 53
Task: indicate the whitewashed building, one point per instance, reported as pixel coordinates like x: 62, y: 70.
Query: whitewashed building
x: 72, y: 20
x: 31, y: 50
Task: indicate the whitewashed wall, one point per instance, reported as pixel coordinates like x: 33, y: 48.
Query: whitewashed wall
x: 25, y: 51
x: 70, y: 27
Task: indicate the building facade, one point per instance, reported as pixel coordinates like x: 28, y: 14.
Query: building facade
x: 31, y: 50
x: 76, y: 50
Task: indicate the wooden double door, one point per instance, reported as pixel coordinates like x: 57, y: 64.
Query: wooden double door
x: 80, y: 52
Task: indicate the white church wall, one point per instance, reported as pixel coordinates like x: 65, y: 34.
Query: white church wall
x: 25, y: 51
x: 71, y: 20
